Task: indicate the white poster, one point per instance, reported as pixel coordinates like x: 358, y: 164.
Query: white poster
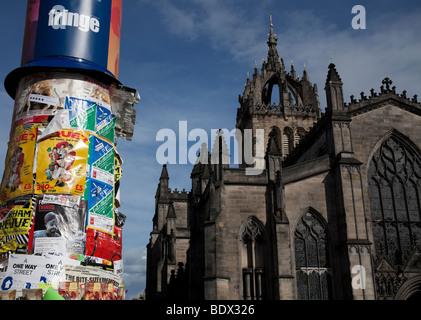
x: 32, y: 272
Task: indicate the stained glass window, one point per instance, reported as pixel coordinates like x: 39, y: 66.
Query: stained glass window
x: 394, y: 190
x: 311, y: 259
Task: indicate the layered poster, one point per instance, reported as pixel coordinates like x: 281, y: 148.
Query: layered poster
x: 105, y: 122
x: 82, y: 113
x: 60, y: 224
x: 32, y: 272
x: 84, y: 275
x: 18, y: 170
x: 41, y: 96
x: 107, y: 247
x: 16, y: 219
x: 61, y: 163
x: 100, y: 185
x: 92, y: 114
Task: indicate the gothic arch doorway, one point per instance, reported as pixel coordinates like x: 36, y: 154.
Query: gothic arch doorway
x: 410, y: 290
x: 415, y: 297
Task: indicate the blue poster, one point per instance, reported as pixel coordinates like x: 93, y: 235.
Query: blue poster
x: 99, y: 188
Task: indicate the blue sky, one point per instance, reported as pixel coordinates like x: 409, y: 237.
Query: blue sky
x: 189, y: 60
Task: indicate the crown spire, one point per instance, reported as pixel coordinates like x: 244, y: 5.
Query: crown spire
x: 273, y: 56
x: 272, y: 35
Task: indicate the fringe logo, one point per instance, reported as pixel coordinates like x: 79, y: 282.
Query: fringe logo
x: 60, y: 18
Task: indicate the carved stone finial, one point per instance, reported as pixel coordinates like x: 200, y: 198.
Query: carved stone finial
x: 333, y: 75
x: 387, y: 82
x: 403, y: 95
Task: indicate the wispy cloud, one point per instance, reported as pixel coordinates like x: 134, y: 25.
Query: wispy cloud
x: 226, y: 24
x: 390, y: 46
x: 134, y: 270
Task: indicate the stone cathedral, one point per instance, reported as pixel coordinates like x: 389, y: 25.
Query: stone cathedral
x: 335, y: 214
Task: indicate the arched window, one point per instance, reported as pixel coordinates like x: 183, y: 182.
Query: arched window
x: 271, y: 92
x: 311, y: 258
x: 292, y: 95
x: 299, y: 134
x: 394, y: 179
x: 253, y: 259
x: 287, y: 141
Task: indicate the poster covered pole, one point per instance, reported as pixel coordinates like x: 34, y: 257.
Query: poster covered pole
x: 59, y: 196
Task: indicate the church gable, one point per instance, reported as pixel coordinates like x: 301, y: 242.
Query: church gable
x: 379, y: 111
x: 386, y: 97
x: 388, y: 114
x: 384, y: 265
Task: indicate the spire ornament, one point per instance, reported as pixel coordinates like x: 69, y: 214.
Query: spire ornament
x: 273, y: 56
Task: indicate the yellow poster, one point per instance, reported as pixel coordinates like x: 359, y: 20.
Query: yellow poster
x: 18, y: 169
x: 16, y: 226
x: 61, y: 163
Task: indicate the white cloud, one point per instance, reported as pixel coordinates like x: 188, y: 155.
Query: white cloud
x: 225, y: 24
x: 182, y: 21
x: 134, y: 271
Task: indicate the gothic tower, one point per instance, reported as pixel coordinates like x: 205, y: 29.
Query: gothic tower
x: 275, y: 100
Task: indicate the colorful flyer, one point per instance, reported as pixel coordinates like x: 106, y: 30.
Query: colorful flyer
x: 104, y: 245
x: 8, y: 295
x: 60, y: 224
x: 99, y: 190
x: 31, y: 294
x: 69, y: 290
x: 93, y: 291
x: 81, y: 113
x: 18, y: 169
x: 118, y: 172
x: 47, y: 92
x: 100, y: 206
x: 108, y: 291
x: 16, y: 225
x: 61, y: 163
x: 40, y: 120
x: 101, y: 160
x: 84, y: 275
x: 42, y: 95
x: 105, y: 123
